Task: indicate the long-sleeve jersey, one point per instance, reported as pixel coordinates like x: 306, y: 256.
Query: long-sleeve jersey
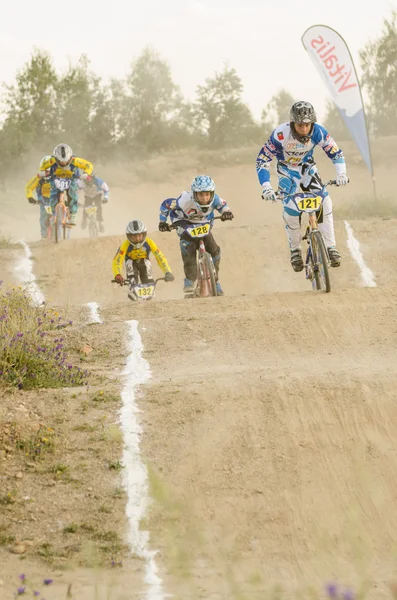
x: 39, y: 184
x: 126, y: 250
x: 185, y: 208
x: 70, y: 171
x: 98, y: 186
x: 292, y: 154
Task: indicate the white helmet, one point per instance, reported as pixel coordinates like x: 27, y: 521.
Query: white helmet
x: 136, y: 233
x: 63, y: 154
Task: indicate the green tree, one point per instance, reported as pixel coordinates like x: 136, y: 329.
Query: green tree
x: 77, y: 90
x: 379, y: 67
x: 277, y: 110
x: 30, y: 107
x: 220, y: 113
x: 152, y: 105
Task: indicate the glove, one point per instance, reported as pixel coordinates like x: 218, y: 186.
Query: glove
x: 31, y: 200
x: 227, y: 215
x: 169, y: 277
x: 164, y: 226
x: 268, y: 192
x: 105, y: 200
x: 342, y: 179
x: 119, y: 279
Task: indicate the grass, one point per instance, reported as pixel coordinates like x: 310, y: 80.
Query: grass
x: 32, y: 349
x: 6, y: 242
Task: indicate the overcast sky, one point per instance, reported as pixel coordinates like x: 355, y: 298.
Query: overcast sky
x: 261, y: 39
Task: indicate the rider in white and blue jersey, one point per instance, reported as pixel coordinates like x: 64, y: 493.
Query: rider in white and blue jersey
x: 196, y: 206
x: 292, y: 145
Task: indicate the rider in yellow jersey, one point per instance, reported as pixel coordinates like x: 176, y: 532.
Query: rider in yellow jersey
x: 42, y: 187
x: 135, y: 251
x: 63, y: 165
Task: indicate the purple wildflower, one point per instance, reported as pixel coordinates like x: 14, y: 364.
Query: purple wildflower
x: 47, y: 581
x: 21, y: 590
x: 332, y: 590
x: 70, y: 322
x: 22, y: 577
x: 348, y: 595
x: 36, y: 593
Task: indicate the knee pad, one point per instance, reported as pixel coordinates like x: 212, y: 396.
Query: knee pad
x: 216, y: 258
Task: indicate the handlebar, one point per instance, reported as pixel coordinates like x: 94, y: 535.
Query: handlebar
x: 127, y: 281
x: 176, y: 223
x: 281, y: 196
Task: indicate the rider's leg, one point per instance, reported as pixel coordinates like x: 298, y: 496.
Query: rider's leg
x: 131, y: 271
x: 212, y: 247
x: 73, y: 197
x: 43, y: 221
x: 99, y: 214
x: 98, y: 203
x: 293, y: 228
x: 188, y: 252
x: 326, y: 226
x: 144, y: 267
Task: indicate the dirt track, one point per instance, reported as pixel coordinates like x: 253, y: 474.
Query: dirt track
x: 270, y: 418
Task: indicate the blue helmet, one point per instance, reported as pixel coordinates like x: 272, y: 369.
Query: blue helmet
x: 203, y: 183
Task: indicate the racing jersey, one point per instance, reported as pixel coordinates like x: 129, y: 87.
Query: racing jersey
x: 70, y: 171
x: 185, y: 208
x: 292, y: 154
x: 98, y: 186
x: 41, y: 185
x: 126, y: 250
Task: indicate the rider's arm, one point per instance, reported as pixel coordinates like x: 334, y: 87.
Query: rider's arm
x: 83, y: 164
x: 102, y: 186
x: 322, y: 138
x: 31, y: 186
x: 220, y: 204
x: 272, y: 149
x: 166, y: 207
x: 159, y: 256
x: 119, y: 258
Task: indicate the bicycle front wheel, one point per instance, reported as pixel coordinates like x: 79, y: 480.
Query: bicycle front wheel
x: 207, y: 276
x: 320, y: 262
x: 58, y: 222
x: 93, y: 228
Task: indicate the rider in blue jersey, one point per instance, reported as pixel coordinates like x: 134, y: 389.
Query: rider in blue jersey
x: 196, y: 206
x: 292, y: 145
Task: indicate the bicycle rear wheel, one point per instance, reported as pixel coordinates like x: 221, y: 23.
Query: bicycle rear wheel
x: 320, y: 262
x: 207, y: 276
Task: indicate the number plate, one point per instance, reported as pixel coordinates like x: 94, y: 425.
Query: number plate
x: 199, y: 231
x: 48, y: 209
x: 62, y: 184
x: 90, y: 210
x: 309, y: 204
x: 144, y: 291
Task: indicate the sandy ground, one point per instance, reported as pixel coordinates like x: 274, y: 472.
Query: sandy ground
x: 269, y: 420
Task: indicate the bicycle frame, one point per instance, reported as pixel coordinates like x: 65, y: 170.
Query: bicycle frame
x: 317, y: 260
x: 60, y: 218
